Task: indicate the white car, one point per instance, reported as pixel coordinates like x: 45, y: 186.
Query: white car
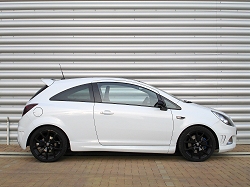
x: 113, y: 114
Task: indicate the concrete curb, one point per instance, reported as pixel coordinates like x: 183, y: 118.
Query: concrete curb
x: 215, y: 154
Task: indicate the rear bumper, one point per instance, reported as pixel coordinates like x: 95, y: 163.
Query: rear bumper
x: 22, y: 132
x: 20, y: 139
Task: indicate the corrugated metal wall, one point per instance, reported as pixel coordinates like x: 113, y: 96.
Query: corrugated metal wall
x: 197, y: 50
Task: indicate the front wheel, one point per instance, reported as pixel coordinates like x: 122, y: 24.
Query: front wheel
x: 197, y: 144
x: 48, y: 144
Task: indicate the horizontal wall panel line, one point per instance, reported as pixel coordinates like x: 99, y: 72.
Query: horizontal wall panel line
x: 13, y: 110
x: 243, y: 135
x: 13, y: 102
x: 196, y: 82
x: 241, y: 119
x: 214, y: 102
x: 123, y: 23
x: 219, y: 101
x: 17, y: 92
x: 12, y: 127
x: 126, y: 5
x: 104, y: 15
x: 118, y: 63
x: 124, y: 58
x: 123, y: 49
x: 127, y: 72
x: 173, y: 83
x: 3, y: 120
x: 13, y: 136
x: 125, y: 31
x: 234, y: 110
x: 125, y: 40
x: 134, y: 75
x: 243, y: 127
x: 21, y: 84
x: 207, y: 92
x: 127, y: 66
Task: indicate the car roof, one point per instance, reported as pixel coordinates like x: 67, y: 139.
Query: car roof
x: 79, y: 81
x: 57, y: 86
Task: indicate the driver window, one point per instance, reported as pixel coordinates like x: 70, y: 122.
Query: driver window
x: 122, y: 93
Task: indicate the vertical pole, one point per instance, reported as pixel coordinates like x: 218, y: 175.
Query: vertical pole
x: 8, y: 131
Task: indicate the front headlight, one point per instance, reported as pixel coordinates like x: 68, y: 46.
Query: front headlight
x: 223, y: 118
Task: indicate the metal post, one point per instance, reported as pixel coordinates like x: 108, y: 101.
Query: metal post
x: 8, y: 131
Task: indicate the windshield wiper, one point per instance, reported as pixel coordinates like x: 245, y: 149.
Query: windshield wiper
x: 186, y: 101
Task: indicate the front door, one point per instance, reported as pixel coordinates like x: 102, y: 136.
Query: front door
x: 127, y: 117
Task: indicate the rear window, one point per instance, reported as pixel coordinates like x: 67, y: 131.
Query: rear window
x: 39, y: 91
x: 81, y: 93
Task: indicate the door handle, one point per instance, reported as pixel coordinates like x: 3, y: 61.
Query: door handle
x: 107, y: 112
x: 180, y: 117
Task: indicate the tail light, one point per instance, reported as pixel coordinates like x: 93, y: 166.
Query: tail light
x: 28, y: 108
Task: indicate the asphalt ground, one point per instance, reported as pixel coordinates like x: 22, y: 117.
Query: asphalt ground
x: 19, y: 168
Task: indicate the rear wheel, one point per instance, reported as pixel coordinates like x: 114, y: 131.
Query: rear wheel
x: 48, y: 144
x: 197, y: 144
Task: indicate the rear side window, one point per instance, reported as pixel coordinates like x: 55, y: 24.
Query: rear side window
x: 81, y: 93
x: 39, y: 91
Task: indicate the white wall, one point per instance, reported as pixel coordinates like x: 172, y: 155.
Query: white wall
x: 197, y: 50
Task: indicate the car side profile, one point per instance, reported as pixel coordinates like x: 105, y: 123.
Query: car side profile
x: 122, y: 115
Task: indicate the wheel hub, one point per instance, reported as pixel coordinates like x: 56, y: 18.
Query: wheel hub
x: 47, y: 146
x: 197, y: 146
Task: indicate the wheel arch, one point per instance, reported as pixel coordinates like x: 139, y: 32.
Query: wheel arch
x: 47, y: 125
x: 198, y: 125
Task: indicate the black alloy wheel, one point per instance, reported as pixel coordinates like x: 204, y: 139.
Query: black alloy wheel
x: 197, y: 144
x: 48, y: 144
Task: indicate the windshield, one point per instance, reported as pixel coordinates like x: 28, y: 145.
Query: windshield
x: 171, y: 95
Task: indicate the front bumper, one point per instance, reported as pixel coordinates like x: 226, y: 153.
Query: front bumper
x: 228, y: 145
x: 227, y: 138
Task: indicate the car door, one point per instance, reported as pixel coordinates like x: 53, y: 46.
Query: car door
x: 126, y: 116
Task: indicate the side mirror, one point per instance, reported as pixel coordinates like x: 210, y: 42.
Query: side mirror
x: 161, y: 104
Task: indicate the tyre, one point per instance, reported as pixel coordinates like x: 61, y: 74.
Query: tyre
x: 197, y: 144
x: 48, y: 144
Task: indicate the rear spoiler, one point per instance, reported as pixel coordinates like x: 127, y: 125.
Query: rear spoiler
x: 48, y: 82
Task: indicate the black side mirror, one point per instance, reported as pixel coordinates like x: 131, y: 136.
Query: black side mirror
x: 161, y: 104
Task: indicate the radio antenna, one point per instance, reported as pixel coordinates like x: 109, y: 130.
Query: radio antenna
x: 62, y: 71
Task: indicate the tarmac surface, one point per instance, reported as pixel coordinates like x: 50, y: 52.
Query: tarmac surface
x: 19, y: 168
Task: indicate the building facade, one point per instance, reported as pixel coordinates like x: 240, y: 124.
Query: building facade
x: 196, y: 50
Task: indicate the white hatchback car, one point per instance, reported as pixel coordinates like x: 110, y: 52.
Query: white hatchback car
x: 113, y: 114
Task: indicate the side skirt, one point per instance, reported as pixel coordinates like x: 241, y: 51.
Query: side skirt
x: 75, y: 146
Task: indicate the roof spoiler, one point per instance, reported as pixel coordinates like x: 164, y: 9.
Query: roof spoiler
x: 48, y: 82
